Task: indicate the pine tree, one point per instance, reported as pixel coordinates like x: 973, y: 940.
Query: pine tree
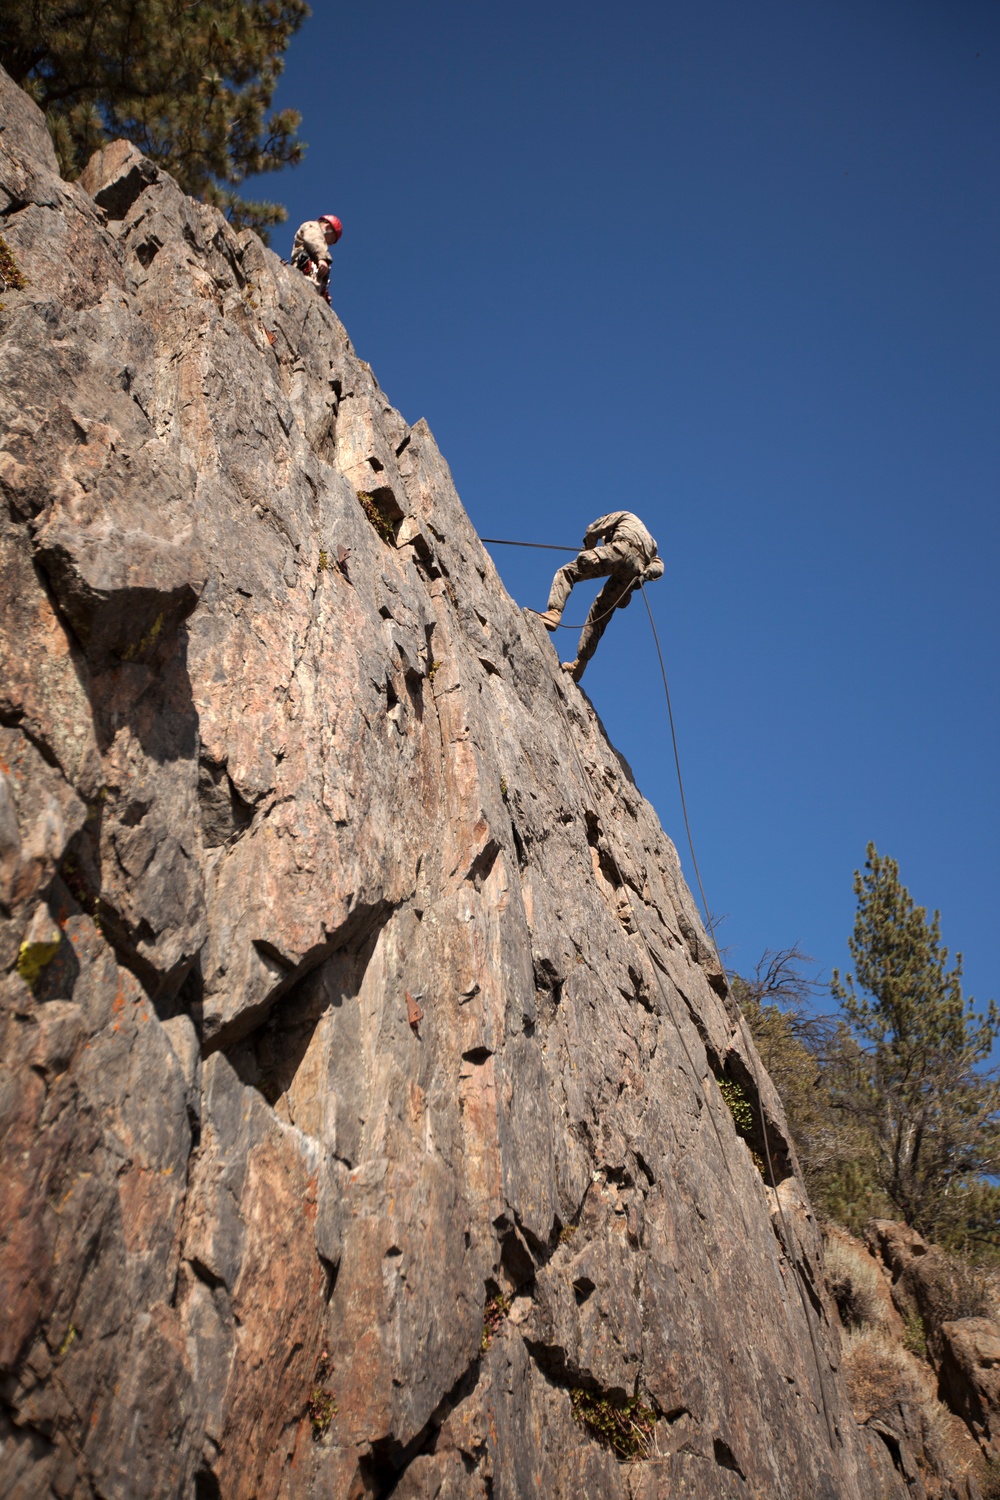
x: 914, y: 1081
x: 805, y: 1055
x: 189, y: 81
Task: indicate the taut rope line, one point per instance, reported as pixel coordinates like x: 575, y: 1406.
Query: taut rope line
x: 496, y: 541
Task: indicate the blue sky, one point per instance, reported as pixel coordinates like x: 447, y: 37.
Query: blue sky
x: 733, y: 267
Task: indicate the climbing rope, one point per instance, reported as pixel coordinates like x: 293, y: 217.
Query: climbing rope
x: 496, y: 541
x: 654, y: 966
x: 680, y: 788
x: 552, y: 547
x: 790, y: 1241
x: 588, y: 621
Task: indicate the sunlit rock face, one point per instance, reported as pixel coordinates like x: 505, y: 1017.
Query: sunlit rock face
x: 361, y: 1042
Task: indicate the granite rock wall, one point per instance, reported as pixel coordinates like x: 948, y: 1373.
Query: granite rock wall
x: 360, y: 1107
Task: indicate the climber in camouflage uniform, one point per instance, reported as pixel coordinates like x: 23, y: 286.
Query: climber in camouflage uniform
x: 311, y: 250
x: 627, y: 559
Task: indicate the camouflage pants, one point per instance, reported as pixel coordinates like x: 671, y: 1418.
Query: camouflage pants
x: 620, y: 565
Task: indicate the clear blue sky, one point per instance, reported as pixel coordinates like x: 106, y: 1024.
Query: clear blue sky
x: 734, y: 267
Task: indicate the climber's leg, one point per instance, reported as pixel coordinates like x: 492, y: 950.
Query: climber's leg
x: 595, y: 562
x: 614, y: 593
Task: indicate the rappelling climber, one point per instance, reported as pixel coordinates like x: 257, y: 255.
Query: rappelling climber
x: 311, y: 250
x: 627, y: 559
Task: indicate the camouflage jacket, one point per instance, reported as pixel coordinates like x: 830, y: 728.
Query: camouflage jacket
x: 621, y: 527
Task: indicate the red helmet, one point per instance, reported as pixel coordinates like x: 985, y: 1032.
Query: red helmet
x: 334, y: 224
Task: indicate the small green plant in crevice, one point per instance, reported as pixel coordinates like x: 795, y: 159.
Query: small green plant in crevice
x: 33, y: 958
x: 138, y: 650
x: 269, y: 1088
x: 12, y: 278
x: 915, y: 1336
x: 431, y: 670
x: 567, y: 1232
x: 742, y: 1112
x: 324, y: 560
x: 381, y: 523
x: 739, y: 1105
x: 496, y: 1309
x: 94, y: 809
x: 621, y: 1423
x: 503, y: 787
x: 68, y: 1341
x: 321, y: 1406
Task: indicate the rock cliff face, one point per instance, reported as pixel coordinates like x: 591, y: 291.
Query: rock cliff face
x: 362, y: 1129
x: 963, y: 1344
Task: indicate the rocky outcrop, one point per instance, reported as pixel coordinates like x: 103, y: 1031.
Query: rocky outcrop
x: 953, y: 1307
x: 892, y: 1383
x: 362, y: 1129
x: 970, y: 1377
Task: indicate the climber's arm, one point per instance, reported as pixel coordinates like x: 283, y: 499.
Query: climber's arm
x: 602, y: 527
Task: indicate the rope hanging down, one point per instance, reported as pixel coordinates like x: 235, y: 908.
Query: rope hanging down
x: 680, y: 787
x: 789, y: 1235
x: 790, y: 1242
x: 496, y: 541
x: 552, y: 547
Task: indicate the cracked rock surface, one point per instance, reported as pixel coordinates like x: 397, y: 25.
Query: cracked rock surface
x: 361, y: 1043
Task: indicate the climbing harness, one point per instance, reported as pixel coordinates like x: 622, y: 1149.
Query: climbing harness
x: 790, y: 1241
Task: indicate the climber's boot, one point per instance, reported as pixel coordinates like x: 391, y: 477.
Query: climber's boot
x: 574, y: 668
x: 550, y: 619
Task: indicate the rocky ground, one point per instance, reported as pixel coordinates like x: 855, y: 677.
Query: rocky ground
x: 362, y: 1046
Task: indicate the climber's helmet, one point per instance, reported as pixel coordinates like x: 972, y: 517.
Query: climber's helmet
x: 332, y: 228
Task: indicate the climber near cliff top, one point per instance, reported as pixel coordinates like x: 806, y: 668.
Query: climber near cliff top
x: 311, y: 249
x: 627, y: 559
